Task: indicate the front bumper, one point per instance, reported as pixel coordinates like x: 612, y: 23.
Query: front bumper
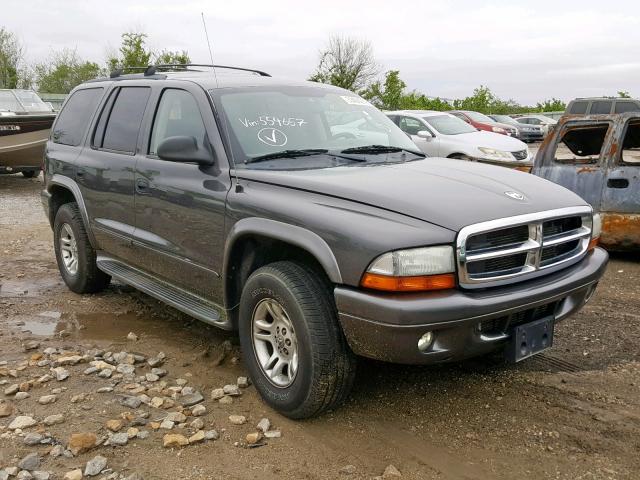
x: 387, y: 327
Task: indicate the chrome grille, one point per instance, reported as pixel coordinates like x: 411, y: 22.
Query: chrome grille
x: 518, y: 248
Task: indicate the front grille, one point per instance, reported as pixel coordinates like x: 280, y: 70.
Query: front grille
x: 518, y: 248
x: 520, y: 155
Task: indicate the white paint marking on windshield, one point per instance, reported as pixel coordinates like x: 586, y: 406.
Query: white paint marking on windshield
x: 272, y: 137
x: 272, y: 121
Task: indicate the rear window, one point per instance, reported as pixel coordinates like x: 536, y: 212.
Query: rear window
x: 601, y: 106
x: 124, y: 119
x: 631, y: 144
x: 578, y: 108
x: 581, y: 144
x: 622, y: 107
x: 74, y: 118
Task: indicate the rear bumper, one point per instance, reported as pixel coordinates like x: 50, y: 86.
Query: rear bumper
x: 18, y: 169
x: 387, y: 327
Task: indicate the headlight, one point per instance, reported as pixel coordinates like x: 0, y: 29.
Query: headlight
x: 415, y: 269
x: 498, y: 130
x: 493, y: 154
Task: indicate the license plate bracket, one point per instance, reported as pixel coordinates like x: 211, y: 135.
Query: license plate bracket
x: 529, y: 339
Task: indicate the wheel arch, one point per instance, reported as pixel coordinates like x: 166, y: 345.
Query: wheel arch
x: 254, y: 242
x: 65, y: 190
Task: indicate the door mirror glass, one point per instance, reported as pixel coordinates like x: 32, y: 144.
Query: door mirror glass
x: 426, y: 134
x: 184, y: 149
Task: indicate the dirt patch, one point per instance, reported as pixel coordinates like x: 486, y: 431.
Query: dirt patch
x: 573, y: 413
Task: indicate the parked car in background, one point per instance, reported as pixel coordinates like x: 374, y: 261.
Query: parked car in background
x: 526, y: 133
x: 440, y: 134
x: 598, y: 157
x: 25, y: 122
x: 545, y: 123
x: 602, y: 105
x: 482, y: 122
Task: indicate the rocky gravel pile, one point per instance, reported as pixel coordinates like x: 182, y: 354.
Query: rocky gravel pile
x: 154, y: 407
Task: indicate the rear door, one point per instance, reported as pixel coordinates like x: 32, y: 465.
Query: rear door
x: 576, y: 158
x: 180, y: 207
x: 106, y: 172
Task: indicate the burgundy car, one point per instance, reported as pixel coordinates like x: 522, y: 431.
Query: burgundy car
x: 482, y: 122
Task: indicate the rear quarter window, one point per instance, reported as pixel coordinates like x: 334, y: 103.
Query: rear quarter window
x: 626, y: 106
x: 73, y: 120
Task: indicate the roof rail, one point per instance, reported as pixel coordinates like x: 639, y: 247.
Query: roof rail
x: 153, y: 69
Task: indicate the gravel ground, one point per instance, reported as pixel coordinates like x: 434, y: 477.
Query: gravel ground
x: 573, y: 413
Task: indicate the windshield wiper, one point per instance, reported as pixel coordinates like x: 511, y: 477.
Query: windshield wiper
x: 375, y: 149
x: 286, y: 154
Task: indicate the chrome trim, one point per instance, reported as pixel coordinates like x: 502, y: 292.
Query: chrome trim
x: 533, y: 246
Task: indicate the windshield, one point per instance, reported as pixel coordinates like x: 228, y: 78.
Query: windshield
x: 449, y: 125
x: 504, y: 119
x: 478, y: 117
x: 8, y: 102
x: 266, y: 121
x: 31, y: 102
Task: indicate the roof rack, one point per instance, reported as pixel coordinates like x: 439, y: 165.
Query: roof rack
x: 153, y: 69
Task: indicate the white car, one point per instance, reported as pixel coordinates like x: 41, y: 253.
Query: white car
x: 440, y: 134
x: 544, y: 122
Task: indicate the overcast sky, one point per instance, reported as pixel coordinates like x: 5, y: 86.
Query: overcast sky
x: 525, y: 50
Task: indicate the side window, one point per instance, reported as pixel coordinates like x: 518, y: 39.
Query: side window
x: 526, y: 121
x: 631, y: 144
x: 626, y: 106
x: 578, y: 108
x: 601, y: 106
x: 123, y: 119
x: 177, y: 115
x: 74, y: 118
x: 534, y: 121
x: 411, y: 125
x: 580, y: 145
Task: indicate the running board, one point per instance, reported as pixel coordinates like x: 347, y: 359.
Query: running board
x: 184, y: 301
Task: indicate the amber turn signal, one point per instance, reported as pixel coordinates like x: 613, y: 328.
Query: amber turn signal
x: 408, y: 284
x: 593, y: 243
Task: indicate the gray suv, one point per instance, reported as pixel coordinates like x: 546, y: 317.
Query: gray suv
x: 302, y: 217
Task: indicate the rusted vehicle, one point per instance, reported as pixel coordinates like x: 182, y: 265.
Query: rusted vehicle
x: 598, y: 157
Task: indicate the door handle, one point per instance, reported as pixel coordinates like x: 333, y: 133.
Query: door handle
x: 142, y: 185
x: 617, y: 183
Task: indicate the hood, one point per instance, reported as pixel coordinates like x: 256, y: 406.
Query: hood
x: 445, y: 192
x: 492, y: 140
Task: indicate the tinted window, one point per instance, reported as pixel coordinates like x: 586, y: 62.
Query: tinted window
x: 622, y: 107
x: 123, y: 125
x: 524, y: 120
x: 601, y: 106
x: 411, y: 125
x: 581, y: 144
x: 578, y: 108
x: 74, y: 118
x: 631, y: 144
x: 177, y: 115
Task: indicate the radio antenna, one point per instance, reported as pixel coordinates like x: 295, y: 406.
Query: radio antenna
x: 204, y: 24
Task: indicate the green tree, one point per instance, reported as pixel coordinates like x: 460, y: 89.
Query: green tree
x: 552, y: 105
x: 64, y: 71
x: 481, y: 100
x: 623, y: 94
x: 132, y: 52
x: 167, y: 57
x: 347, y: 63
x: 387, y: 95
x: 11, y: 53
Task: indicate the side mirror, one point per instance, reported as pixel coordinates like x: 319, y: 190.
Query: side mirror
x: 426, y: 134
x: 184, y: 149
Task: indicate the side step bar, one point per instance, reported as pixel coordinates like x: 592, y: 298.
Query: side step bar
x: 184, y: 301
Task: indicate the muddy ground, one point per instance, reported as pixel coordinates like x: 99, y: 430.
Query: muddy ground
x: 573, y: 413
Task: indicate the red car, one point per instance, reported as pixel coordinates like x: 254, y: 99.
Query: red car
x: 482, y: 122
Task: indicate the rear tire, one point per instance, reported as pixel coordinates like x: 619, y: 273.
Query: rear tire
x: 30, y: 173
x: 322, y: 375
x: 75, y: 256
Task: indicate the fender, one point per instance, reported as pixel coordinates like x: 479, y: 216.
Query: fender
x: 70, y: 184
x: 298, y: 236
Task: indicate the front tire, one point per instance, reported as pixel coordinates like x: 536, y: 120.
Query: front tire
x: 75, y: 256
x: 294, y: 348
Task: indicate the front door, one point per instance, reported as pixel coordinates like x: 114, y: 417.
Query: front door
x: 411, y: 126
x: 576, y: 158
x: 180, y: 207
